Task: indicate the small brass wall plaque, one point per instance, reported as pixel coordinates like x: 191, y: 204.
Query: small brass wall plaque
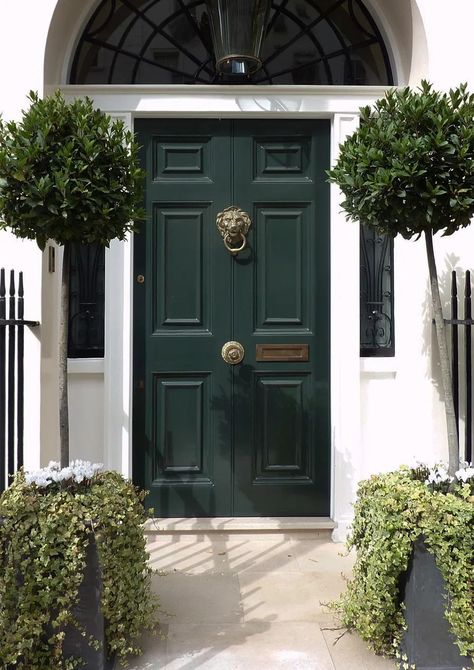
x: 282, y: 352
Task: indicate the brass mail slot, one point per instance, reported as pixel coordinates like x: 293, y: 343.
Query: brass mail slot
x: 282, y: 352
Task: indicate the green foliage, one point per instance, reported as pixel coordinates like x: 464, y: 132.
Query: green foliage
x: 410, y: 165
x: 43, y: 540
x: 392, y: 510
x: 68, y: 173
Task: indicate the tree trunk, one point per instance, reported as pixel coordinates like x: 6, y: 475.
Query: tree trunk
x: 453, y: 439
x: 63, y: 342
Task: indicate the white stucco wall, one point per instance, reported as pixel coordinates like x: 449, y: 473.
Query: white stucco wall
x: 398, y: 407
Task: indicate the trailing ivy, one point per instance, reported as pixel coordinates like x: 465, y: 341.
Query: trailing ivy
x: 44, y: 535
x: 391, y: 511
x: 448, y: 526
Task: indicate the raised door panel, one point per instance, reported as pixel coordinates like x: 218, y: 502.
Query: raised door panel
x: 181, y: 447
x: 283, y: 238
x: 180, y: 267
x: 282, y: 158
x: 177, y: 158
x: 282, y: 430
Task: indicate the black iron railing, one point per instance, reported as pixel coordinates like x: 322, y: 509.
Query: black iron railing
x: 461, y: 360
x: 12, y: 338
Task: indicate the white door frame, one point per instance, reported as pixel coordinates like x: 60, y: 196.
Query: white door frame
x: 340, y: 105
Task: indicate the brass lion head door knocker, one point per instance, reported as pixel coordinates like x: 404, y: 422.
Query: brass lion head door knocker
x: 233, y: 224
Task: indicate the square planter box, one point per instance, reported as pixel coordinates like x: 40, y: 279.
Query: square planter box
x: 90, y: 618
x: 428, y: 642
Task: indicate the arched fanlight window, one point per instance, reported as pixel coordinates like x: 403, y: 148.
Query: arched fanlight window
x: 328, y: 42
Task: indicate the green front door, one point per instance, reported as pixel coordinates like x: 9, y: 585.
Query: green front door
x: 210, y: 438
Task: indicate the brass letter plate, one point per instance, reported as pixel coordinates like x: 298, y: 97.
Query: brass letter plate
x: 282, y: 352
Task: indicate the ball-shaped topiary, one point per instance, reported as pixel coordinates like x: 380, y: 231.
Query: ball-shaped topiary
x: 69, y: 173
x: 410, y: 165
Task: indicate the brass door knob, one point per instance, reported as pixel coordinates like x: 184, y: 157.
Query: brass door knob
x: 233, y: 352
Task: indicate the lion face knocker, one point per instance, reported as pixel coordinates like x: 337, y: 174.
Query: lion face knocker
x: 233, y: 224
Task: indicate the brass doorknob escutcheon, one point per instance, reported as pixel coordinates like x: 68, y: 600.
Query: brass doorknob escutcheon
x: 233, y: 224
x: 233, y: 352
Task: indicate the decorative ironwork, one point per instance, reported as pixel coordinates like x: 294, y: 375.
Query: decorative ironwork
x: 233, y: 224
x: 158, y: 42
x: 86, y: 301
x: 376, y: 294
x: 462, y: 365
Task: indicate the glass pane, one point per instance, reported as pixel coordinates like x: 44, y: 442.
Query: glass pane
x: 169, y: 42
x: 86, y: 301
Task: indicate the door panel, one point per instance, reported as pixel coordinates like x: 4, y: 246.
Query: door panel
x: 283, y: 255
x: 210, y: 438
x: 281, y: 435
x: 180, y: 266
x: 180, y: 443
x: 183, y: 316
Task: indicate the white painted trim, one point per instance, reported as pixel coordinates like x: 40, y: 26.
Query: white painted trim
x: 345, y: 365
x: 382, y: 365
x: 341, y: 106
x: 85, y: 366
x: 118, y: 349
x: 227, y: 101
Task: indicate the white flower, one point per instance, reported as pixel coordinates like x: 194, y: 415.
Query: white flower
x: 77, y: 472
x: 465, y: 474
x: 438, y: 475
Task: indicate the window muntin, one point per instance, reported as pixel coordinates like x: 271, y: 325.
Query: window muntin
x: 326, y: 42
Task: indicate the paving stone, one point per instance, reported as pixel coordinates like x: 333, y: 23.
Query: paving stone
x: 287, y: 596
x: 200, y: 598
x: 243, y: 601
x: 349, y: 652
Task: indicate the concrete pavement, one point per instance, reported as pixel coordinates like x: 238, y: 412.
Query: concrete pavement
x: 240, y: 601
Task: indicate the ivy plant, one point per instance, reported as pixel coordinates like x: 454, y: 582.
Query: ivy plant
x: 47, y: 518
x: 68, y: 173
x: 391, y: 511
x: 409, y: 170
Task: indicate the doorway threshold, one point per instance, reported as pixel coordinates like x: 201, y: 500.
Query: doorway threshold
x: 240, y: 524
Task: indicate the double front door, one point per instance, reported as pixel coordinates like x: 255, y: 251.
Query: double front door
x: 242, y: 429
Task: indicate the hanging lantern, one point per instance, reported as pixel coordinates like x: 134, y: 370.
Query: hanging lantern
x: 237, y: 29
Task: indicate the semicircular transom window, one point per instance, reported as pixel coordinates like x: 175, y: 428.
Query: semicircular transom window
x: 326, y: 42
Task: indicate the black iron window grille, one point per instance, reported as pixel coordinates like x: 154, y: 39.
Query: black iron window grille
x: 86, y: 301
x: 376, y: 294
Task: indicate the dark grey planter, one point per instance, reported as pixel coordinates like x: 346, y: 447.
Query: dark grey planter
x: 428, y: 642
x: 90, y: 618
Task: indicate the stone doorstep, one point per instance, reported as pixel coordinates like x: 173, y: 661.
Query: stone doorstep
x: 239, y: 525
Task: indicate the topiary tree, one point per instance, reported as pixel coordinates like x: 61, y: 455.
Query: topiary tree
x: 409, y: 170
x: 68, y: 173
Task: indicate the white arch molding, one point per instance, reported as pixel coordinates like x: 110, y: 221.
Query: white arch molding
x: 398, y: 21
